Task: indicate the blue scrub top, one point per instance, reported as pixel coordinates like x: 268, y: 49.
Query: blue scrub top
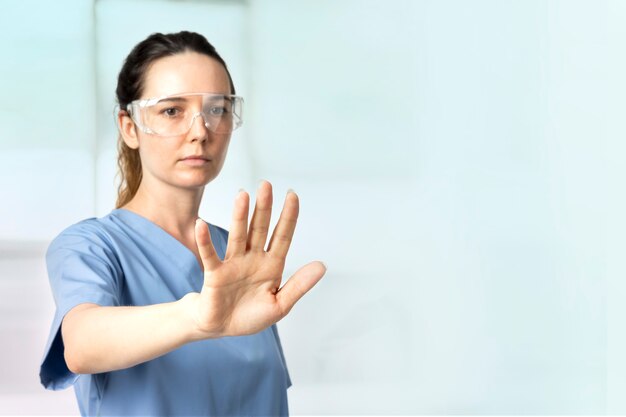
x: 124, y: 259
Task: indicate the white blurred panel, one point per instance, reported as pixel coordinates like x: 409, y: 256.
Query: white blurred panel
x: 333, y: 88
x: 26, y: 308
x: 223, y: 24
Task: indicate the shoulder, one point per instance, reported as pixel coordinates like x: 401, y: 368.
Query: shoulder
x: 91, y: 230
x: 90, y: 238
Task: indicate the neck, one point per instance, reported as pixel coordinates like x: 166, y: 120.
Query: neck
x: 173, y: 209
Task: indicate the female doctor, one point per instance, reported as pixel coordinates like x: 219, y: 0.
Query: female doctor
x: 159, y: 312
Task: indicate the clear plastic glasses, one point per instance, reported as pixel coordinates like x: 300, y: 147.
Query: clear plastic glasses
x: 175, y: 114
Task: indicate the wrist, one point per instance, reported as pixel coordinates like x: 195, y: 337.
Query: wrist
x: 189, y: 313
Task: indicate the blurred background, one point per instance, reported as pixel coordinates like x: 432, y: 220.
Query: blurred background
x: 460, y: 167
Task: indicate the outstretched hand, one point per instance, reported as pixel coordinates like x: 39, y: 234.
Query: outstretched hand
x: 242, y: 294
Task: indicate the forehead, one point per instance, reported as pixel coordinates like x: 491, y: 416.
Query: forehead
x: 187, y: 72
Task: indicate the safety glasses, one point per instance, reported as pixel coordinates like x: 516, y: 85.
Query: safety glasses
x: 175, y: 114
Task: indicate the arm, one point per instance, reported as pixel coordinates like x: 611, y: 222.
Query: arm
x: 241, y: 295
x: 99, y: 339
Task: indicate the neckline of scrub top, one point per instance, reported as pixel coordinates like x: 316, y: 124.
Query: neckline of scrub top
x: 155, y: 233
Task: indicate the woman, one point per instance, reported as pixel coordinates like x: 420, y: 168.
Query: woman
x: 149, y: 297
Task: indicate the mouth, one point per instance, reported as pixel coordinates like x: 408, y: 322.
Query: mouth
x: 196, y: 157
x: 195, y: 160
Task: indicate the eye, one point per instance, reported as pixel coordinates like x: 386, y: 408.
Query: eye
x: 217, y: 111
x: 170, y: 112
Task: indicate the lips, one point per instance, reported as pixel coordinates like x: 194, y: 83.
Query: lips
x: 192, y: 157
x: 195, y: 160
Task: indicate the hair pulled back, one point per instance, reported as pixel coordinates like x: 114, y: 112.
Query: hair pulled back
x: 130, y: 83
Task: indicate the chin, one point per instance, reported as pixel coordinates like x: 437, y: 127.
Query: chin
x: 195, y: 181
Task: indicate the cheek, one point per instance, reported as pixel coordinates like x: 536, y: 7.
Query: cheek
x: 156, y: 156
x: 223, y: 151
x: 223, y: 147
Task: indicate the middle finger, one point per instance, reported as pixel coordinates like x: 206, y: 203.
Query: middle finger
x: 260, y: 223
x: 283, y: 232
x: 238, y: 234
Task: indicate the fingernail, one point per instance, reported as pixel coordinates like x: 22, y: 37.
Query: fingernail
x: 290, y: 191
x: 241, y: 189
x: 260, y: 182
x: 325, y: 267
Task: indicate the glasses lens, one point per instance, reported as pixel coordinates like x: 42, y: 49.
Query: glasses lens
x: 218, y: 113
x: 173, y: 116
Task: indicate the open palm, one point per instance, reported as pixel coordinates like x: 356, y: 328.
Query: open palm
x: 242, y: 294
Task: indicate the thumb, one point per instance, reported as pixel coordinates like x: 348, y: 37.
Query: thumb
x: 299, y: 284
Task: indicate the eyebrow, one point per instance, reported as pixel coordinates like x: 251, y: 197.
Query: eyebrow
x: 218, y: 98
x: 176, y: 99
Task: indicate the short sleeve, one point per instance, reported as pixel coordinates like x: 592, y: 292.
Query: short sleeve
x: 282, y: 355
x: 82, y: 268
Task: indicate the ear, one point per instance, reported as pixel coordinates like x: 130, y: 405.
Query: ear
x: 127, y: 129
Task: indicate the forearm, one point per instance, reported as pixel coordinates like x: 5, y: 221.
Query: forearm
x: 99, y: 339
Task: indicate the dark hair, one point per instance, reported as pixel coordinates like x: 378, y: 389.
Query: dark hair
x: 130, y: 83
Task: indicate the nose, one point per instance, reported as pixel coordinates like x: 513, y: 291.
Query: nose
x: 199, y: 131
